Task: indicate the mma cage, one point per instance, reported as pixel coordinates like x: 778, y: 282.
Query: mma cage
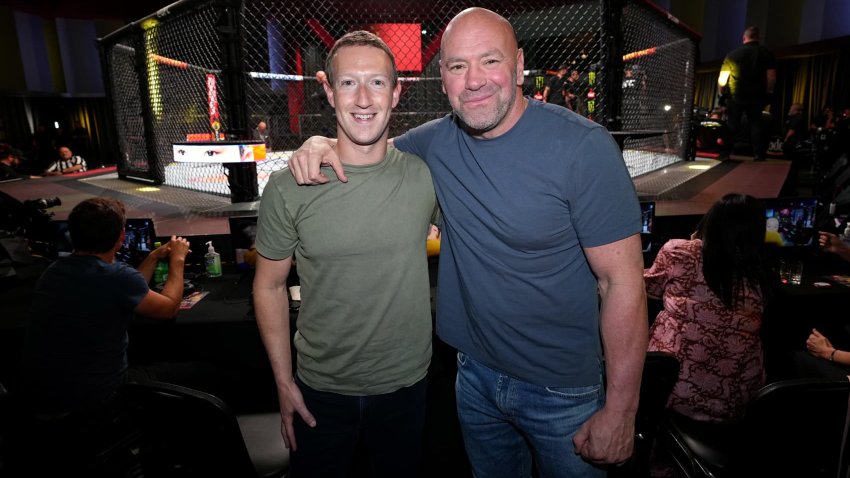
x: 213, y: 69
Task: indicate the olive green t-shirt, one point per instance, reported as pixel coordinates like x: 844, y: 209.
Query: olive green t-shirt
x: 364, y: 326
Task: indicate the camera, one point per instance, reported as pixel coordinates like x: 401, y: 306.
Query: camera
x: 43, y: 203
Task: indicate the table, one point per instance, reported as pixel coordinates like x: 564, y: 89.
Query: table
x: 795, y: 309
x: 220, y: 325
x: 215, y: 346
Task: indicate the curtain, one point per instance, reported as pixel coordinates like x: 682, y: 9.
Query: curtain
x: 705, y: 95
x: 812, y: 79
x: 84, y: 126
x: 14, y: 127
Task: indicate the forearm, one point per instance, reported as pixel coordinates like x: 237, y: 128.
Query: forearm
x: 173, y: 288
x: 842, y: 250
x: 72, y: 169
x: 624, y: 328
x: 832, y: 354
x: 318, y: 140
x: 841, y: 357
x: 608, y: 436
x: 271, y: 306
x: 623, y: 323
x: 147, y: 266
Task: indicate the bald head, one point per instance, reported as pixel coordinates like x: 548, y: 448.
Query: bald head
x: 752, y: 34
x: 482, y: 17
x: 481, y: 68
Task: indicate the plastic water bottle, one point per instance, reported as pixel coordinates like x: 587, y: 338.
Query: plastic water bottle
x: 846, y: 237
x: 160, y: 273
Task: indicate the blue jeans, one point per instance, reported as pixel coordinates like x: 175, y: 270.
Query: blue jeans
x: 388, y: 427
x: 505, y: 421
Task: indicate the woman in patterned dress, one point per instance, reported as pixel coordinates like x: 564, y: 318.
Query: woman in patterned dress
x: 714, y: 288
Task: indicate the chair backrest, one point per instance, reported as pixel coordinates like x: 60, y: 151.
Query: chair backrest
x: 186, y: 430
x: 790, y: 428
x: 796, y: 428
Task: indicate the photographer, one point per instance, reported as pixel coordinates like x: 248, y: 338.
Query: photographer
x: 10, y: 162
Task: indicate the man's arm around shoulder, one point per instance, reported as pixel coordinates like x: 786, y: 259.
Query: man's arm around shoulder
x: 307, y: 161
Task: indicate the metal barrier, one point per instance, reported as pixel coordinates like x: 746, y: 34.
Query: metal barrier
x: 201, y: 69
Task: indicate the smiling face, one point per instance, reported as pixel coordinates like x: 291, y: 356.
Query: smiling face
x: 481, y: 68
x: 363, y: 95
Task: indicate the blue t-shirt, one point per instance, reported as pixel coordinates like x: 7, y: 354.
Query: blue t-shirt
x: 75, y: 355
x: 515, y: 289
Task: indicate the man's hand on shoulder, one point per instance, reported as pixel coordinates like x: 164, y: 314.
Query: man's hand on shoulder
x: 306, y: 163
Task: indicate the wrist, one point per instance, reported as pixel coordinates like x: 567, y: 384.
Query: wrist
x: 832, y: 355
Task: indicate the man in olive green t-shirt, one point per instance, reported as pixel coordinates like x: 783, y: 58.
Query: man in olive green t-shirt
x: 364, y: 327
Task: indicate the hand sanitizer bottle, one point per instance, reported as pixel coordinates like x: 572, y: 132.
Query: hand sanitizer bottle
x: 212, y: 261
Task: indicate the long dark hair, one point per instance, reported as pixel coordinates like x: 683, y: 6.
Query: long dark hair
x: 732, y: 234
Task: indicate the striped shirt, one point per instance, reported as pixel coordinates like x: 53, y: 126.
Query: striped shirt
x: 64, y: 164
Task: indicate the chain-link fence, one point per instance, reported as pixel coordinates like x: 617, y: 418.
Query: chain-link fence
x: 198, y: 64
x: 658, y: 88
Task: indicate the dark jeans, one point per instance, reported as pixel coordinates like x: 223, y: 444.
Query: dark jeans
x: 388, y: 427
x: 734, y: 112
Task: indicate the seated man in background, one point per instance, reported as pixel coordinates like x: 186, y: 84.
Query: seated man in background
x: 10, y: 163
x: 66, y: 164
x: 261, y: 132
x: 824, y: 359
x: 794, y: 131
x: 75, y: 351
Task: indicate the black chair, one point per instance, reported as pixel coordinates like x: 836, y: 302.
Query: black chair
x: 188, y: 433
x: 6, y: 415
x: 660, y: 373
x: 96, y: 445
x: 790, y: 428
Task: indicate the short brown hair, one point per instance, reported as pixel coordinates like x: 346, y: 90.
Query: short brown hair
x: 96, y: 224
x: 359, y: 38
